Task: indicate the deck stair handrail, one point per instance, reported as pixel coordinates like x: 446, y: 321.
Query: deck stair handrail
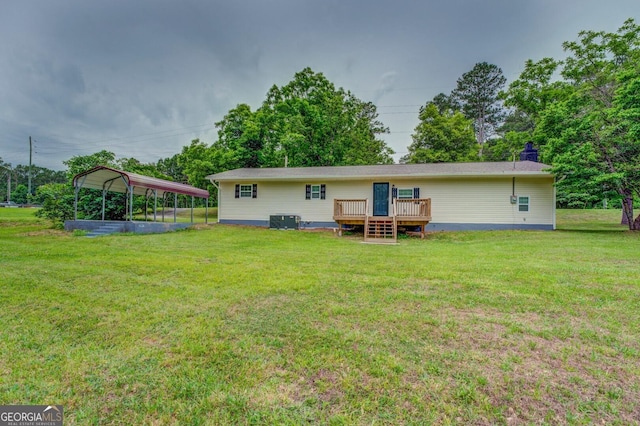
x: 413, y: 207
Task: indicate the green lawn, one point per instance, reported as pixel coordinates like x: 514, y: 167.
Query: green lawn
x: 236, y: 325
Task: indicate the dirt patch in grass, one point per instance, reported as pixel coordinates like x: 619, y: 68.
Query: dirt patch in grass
x: 46, y: 233
x: 531, y: 377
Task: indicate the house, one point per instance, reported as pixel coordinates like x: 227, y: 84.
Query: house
x: 436, y: 196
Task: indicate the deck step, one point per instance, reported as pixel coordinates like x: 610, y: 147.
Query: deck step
x: 380, y: 229
x: 107, y: 229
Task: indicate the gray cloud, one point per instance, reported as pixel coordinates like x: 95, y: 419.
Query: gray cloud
x: 143, y: 78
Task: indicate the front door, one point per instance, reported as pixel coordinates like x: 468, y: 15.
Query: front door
x: 381, y: 199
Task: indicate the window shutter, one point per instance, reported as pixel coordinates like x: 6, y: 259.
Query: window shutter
x: 307, y: 195
x: 323, y: 191
x: 255, y: 191
x: 237, y: 190
x: 416, y: 192
x: 394, y: 194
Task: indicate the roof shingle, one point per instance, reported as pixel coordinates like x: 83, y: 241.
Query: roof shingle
x: 507, y: 168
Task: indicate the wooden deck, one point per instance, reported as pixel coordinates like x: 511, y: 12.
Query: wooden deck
x: 414, y: 211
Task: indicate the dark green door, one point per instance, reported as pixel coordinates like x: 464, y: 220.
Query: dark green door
x: 381, y: 199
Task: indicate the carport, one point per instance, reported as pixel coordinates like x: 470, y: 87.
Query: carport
x: 108, y: 179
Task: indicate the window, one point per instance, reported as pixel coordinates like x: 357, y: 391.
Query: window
x: 247, y: 191
x: 315, y: 192
x: 405, y: 193
x: 523, y: 204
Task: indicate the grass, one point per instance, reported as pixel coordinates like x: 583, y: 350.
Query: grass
x: 235, y: 325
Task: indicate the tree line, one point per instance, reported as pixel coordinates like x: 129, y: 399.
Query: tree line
x: 582, y: 112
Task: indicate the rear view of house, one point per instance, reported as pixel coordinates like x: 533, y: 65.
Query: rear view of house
x: 442, y: 196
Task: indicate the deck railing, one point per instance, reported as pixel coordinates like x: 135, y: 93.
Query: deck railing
x: 350, y: 208
x: 414, y: 207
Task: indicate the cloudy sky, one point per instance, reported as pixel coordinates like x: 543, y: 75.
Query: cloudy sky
x: 143, y: 78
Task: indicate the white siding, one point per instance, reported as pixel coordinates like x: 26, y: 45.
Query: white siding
x: 453, y: 200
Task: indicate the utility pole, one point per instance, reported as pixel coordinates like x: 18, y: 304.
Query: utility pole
x: 8, y: 185
x: 7, y: 167
x: 30, y: 158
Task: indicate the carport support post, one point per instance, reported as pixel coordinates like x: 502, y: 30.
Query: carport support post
x: 104, y: 196
x: 75, y: 203
x: 131, y: 204
x: 206, y: 210
x: 175, y: 206
x: 192, y: 205
x: 164, y: 204
x: 77, y: 185
x: 155, y: 203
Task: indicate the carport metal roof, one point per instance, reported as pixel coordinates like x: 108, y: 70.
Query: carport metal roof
x: 106, y: 178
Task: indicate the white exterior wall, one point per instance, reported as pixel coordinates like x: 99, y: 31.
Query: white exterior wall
x: 453, y: 200
x: 287, y: 198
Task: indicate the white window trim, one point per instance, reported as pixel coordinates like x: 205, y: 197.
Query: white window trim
x: 409, y: 191
x: 527, y: 204
x: 315, y: 194
x: 246, y: 193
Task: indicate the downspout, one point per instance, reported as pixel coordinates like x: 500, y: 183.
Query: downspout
x: 554, y: 202
x: 217, y: 197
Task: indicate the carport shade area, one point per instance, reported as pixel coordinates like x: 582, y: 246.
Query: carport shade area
x: 107, y: 179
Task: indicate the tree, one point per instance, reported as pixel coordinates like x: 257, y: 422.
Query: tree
x: 169, y: 167
x: 240, y: 139
x: 57, y: 202
x: 477, y: 93
x: 440, y: 138
x: 593, y: 135
x: 80, y: 163
x: 446, y: 104
x: 20, y: 195
x: 307, y: 122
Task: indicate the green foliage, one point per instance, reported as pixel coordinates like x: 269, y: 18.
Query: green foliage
x: 240, y: 139
x: 442, y: 137
x: 506, y: 148
x: 20, y: 194
x: 20, y: 176
x: 169, y: 167
x: 592, y: 135
x: 307, y: 122
x: 477, y: 93
x: 80, y: 163
x: 57, y: 202
x: 587, y: 122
